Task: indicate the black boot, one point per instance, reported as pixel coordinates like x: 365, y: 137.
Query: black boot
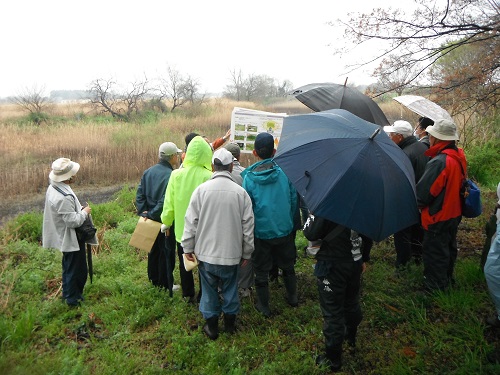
x: 290, y: 281
x: 350, y: 336
x: 262, y: 305
x: 332, y: 358
x: 229, y: 323
x: 211, y: 327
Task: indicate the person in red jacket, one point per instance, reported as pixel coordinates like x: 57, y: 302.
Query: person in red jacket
x: 438, y: 196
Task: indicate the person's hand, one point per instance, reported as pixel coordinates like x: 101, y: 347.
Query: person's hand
x: 164, y: 228
x: 227, y: 135
x: 145, y: 217
x: 87, y: 209
x: 363, y: 267
x: 190, y: 256
x: 244, y: 263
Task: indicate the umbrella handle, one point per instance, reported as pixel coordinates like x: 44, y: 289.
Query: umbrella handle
x: 375, y: 134
x: 308, y: 175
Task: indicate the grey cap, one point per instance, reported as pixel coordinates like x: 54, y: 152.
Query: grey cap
x: 234, y: 149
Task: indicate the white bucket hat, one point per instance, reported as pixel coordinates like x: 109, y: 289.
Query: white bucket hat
x: 63, y: 169
x: 444, y: 130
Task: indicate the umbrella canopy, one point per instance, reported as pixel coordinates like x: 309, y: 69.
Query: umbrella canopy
x: 348, y: 171
x: 325, y: 96
x: 424, y: 107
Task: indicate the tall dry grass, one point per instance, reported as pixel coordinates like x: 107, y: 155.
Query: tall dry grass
x: 109, y: 153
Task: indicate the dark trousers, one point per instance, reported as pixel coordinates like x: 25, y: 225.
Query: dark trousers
x: 161, y: 261
x: 74, y: 275
x: 440, y: 254
x: 280, y: 252
x: 187, y: 280
x: 339, y: 301
x: 408, y: 244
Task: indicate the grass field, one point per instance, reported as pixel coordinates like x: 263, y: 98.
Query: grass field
x: 127, y: 326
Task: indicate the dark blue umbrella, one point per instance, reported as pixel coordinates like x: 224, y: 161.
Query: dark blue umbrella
x: 348, y: 171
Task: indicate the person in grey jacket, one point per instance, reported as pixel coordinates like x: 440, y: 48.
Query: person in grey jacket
x: 149, y: 201
x: 62, y: 214
x: 246, y: 278
x: 218, y: 228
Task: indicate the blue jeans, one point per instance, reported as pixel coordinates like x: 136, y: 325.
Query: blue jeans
x: 212, y: 276
x: 492, y: 270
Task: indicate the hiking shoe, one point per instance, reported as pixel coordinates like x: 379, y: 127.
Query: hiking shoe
x: 493, y: 321
x: 245, y: 292
x: 176, y: 287
x: 333, y: 365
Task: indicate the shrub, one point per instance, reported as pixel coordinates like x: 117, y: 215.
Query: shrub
x: 482, y: 163
x: 38, y: 117
x: 26, y: 226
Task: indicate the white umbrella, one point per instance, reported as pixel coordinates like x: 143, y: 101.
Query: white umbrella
x: 424, y: 107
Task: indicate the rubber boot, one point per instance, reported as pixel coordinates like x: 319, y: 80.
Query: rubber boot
x: 290, y: 281
x: 230, y: 323
x: 350, y: 336
x: 211, y: 327
x: 262, y: 305
x: 332, y: 359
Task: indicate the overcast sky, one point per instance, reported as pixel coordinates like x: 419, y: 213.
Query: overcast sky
x: 66, y: 44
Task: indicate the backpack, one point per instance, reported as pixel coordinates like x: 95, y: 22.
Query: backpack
x: 470, y: 195
x: 471, y: 199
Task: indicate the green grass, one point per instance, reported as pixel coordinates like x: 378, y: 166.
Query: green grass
x: 127, y: 326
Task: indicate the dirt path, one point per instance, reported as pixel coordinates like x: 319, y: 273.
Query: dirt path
x: 9, y: 208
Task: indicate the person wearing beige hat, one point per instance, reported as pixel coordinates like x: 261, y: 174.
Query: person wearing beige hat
x: 149, y: 202
x: 438, y: 196
x: 62, y: 214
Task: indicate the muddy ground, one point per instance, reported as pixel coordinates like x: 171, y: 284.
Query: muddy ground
x: 10, y: 208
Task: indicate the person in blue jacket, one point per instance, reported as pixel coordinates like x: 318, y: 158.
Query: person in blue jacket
x: 274, y: 202
x: 149, y: 201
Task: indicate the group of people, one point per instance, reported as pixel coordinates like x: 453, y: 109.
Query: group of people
x: 240, y: 225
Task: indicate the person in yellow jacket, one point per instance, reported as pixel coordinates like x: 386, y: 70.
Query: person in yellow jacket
x: 196, y: 169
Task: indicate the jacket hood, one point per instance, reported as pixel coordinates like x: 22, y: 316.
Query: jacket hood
x: 450, y: 149
x: 263, y: 172
x: 198, y: 154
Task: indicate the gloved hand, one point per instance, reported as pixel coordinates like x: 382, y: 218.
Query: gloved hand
x: 164, y: 228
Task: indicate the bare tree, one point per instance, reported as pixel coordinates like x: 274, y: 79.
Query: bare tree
x: 33, y: 100
x: 430, y: 33
x: 235, y: 89
x: 255, y: 87
x: 393, y: 74
x: 179, y: 89
x: 120, y: 104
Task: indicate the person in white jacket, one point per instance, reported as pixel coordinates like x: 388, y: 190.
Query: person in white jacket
x: 62, y: 214
x: 218, y: 228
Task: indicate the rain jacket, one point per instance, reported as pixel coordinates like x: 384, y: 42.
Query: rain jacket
x: 346, y: 246
x: 151, y: 190
x: 274, y: 199
x: 61, y: 215
x: 219, y: 222
x: 196, y: 169
x: 438, y: 191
